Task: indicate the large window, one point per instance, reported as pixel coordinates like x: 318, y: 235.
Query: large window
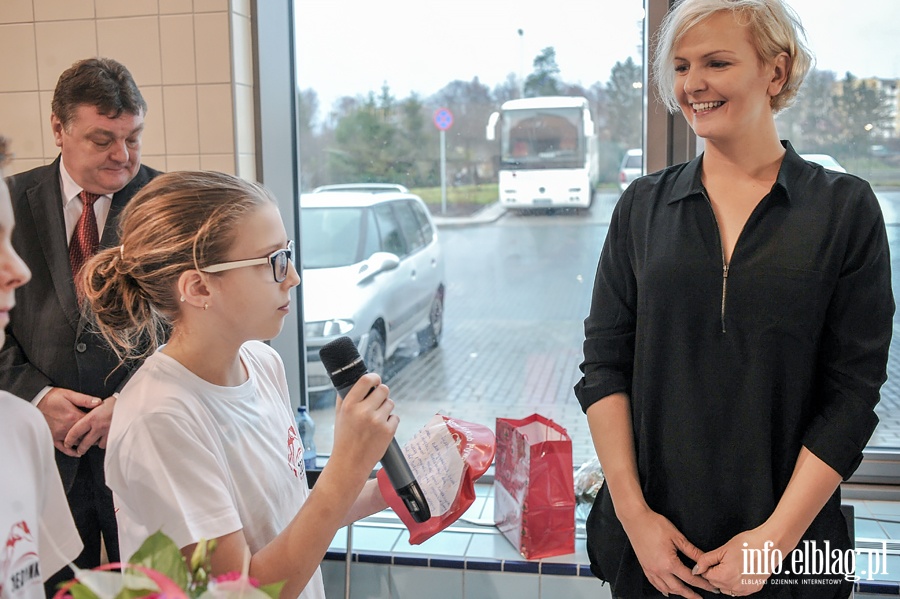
x: 517, y: 283
x: 847, y: 113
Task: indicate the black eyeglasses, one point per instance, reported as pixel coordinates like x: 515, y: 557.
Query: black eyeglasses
x: 279, y: 259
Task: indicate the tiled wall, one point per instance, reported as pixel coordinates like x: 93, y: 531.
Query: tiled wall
x: 382, y: 581
x: 192, y: 60
x: 469, y: 560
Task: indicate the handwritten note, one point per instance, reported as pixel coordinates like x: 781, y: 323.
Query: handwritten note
x: 434, y: 459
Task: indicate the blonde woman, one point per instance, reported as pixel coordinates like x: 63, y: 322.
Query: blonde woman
x: 203, y: 443
x: 738, y: 333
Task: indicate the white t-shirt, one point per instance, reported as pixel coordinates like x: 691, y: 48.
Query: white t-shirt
x: 39, y: 536
x: 200, y: 461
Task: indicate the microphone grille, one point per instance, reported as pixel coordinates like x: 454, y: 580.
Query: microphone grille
x: 342, y: 362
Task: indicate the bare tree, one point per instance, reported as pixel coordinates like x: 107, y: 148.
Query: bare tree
x: 508, y: 90
x: 625, y: 103
x: 310, y: 143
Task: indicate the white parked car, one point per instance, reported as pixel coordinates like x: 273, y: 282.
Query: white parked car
x: 825, y: 160
x: 631, y: 168
x: 373, y: 271
x: 373, y: 187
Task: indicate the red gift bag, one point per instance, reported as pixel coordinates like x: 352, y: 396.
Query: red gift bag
x: 534, y: 492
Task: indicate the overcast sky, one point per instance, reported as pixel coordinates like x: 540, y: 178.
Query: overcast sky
x: 349, y: 47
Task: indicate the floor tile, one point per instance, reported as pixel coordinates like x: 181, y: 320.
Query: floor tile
x: 884, y: 508
x: 371, y: 538
x: 869, y: 529
x: 491, y: 546
x: 445, y: 543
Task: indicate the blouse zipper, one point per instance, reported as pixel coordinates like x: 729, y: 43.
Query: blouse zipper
x: 724, y: 291
x: 724, y: 264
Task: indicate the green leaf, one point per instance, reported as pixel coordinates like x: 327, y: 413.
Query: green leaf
x: 79, y: 591
x: 135, y: 593
x: 199, y: 557
x: 160, y: 553
x: 272, y: 590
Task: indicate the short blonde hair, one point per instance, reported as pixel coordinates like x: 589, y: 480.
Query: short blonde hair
x: 774, y: 27
x: 177, y: 222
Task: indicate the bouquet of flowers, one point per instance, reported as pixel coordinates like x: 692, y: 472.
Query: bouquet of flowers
x: 159, y: 571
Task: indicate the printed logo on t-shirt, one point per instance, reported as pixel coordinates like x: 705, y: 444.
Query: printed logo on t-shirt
x: 295, y: 452
x: 19, y: 565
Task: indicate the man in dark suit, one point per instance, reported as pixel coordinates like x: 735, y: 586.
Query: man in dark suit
x: 51, y: 356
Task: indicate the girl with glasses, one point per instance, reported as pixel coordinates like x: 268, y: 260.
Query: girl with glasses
x: 203, y: 443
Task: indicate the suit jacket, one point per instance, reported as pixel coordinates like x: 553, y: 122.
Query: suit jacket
x: 48, y: 341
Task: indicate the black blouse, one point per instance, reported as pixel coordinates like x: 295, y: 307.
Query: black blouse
x: 731, y: 368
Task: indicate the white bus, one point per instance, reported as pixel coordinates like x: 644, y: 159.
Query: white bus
x: 548, y: 152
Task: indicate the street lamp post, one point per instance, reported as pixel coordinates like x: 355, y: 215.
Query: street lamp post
x: 521, y: 62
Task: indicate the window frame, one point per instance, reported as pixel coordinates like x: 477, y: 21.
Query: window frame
x: 667, y: 140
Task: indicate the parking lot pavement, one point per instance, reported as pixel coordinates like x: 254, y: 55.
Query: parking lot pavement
x: 479, y: 385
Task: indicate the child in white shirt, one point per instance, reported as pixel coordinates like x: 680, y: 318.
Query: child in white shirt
x: 203, y: 443
x: 39, y: 535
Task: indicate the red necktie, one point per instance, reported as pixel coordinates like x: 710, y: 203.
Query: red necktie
x: 85, y: 238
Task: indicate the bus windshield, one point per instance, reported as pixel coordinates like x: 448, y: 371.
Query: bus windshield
x: 542, y: 138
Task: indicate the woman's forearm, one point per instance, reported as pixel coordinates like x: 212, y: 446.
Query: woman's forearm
x: 812, y: 484
x: 611, y: 430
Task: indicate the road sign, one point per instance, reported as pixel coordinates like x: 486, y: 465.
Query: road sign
x: 443, y: 119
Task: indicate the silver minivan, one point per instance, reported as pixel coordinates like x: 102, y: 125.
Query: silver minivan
x: 373, y: 271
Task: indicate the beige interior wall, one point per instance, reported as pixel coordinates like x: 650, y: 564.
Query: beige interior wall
x: 192, y: 60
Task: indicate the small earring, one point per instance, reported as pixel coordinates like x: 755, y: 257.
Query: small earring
x: 182, y: 299
x: 205, y: 305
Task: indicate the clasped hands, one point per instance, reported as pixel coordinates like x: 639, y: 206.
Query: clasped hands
x: 657, y: 543
x: 74, y: 431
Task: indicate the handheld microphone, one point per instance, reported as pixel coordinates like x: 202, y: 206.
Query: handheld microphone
x: 345, y: 366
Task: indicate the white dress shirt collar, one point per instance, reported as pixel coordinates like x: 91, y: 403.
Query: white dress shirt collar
x: 71, y: 189
x: 72, y: 209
